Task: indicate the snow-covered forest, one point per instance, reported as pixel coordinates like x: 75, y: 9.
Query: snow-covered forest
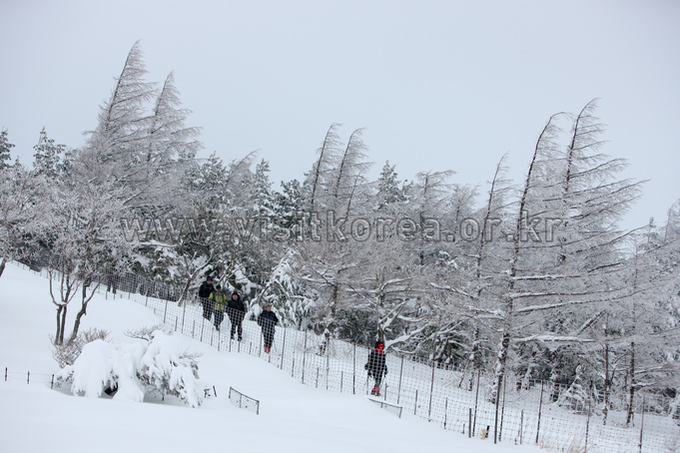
x: 523, y: 280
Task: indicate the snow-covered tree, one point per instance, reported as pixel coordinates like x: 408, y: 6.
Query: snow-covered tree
x: 116, y: 151
x: 22, y: 213
x: 5, y: 148
x: 48, y: 156
x: 83, y: 238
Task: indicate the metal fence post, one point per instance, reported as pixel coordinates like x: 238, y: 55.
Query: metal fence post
x: 429, y: 408
x: 184, y: 314
x: 642, y: 421
x: 474, y: 422
x: 585, y: 447
x: 283, y: 347
x: 540, y: 409
x: 304, y: 357
x: 500, y: 431
x: 401, y: 375
x: 354, y: 371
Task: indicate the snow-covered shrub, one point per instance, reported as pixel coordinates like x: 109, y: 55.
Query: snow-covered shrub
x: 168, y: 370
x: 66, y: 353
x: 129, y: 371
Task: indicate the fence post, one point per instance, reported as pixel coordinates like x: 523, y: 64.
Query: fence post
x: 401, y: 375
x: 283, y: 347
x: 354, y: 371
x: 495, y: 422
x: 165, y: 312
x: 415, y: 404
x: 184, y: 314
x: 304, y: 357
x: 474, y: 422
x: 540, y: 409
x: 521, y: 427
x: 470, y: 424
x: 429, y: 408
x: 328, y: 367
x: 585, y: 447
x: 5, y: 374
x: 446, y: 410
x: 642, y: 421
x: 500, y: 429
x: 28, y: 378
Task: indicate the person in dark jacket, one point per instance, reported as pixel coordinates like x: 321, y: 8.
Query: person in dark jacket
x: 204, y: 293
x: 268, y: 321
x: 219, y: 300
x: 236, y: 311
x: 376, y: 366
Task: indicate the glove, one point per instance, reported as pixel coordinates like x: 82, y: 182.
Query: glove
x: 366, y: 366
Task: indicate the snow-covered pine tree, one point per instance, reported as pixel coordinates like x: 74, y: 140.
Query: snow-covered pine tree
x: 5, y: 149
x: 329, y: 255
x: 116, y: 150
x: 47, y: 159
x: 170, y: 148
x: 556, y: 278
x: 390, y: 190
x: 317, y: 183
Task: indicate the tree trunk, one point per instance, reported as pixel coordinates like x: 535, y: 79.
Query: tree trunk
x: 502, y: 361
x: 2, y: 265
x: 81, y: 313
x: 61, y: 323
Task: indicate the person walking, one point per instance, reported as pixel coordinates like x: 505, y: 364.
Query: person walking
x: 204, y: 293
x: 236, y: 311
x: 376, y: 366
x: 268, y: 321
x: 219, y: 300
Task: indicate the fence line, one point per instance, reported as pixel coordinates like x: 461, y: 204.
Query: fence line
x: 29, y: 377
x: 243, y: 401
x: 537, y: 412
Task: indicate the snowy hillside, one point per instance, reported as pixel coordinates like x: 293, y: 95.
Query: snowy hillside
x: 293, y: 417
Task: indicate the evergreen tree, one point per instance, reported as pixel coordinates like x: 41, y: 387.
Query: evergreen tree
x: 47, y: 158
x: 5, y: 148
x: 389, y: 190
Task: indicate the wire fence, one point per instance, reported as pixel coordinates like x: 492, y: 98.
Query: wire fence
x: 555, y: 417
x: 243, y: 401
x: 28, y: 377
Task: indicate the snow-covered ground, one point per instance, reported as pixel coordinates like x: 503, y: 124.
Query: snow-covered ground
x: 293, y: 417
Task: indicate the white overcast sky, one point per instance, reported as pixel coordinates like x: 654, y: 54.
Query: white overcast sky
x: 438, y: 85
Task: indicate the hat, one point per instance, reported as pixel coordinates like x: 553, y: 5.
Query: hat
x: 379, y: 343
x: 209, y: 278
x: 218, y: 286
x: 267, y: 305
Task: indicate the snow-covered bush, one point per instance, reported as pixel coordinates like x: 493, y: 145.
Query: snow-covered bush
x: 66, y: 353
x: 157, y: 364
